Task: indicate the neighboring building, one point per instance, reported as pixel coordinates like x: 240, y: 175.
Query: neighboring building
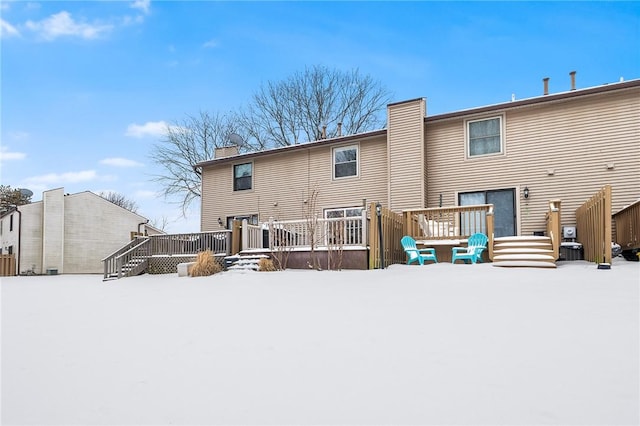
x: 564, y: 146
x: 68, y: 233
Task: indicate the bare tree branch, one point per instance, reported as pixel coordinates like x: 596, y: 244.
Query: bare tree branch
x: 120, y: 200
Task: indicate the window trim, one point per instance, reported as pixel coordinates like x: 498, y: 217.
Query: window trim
x: 355, y: 146
x: 467, y: 133
x: 233, y: 176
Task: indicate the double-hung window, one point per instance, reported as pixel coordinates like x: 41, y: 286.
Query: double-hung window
x: 345, y: 161
x: 347, y: 231
x: 242, y: 176
x: 485, y: 137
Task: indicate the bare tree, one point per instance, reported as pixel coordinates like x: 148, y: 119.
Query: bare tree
x: 160, y: 223
x: 305, y: 107
x: 318, y: 102
x: 120, y: 200
x: 13, y: 197
x: 187, y: 143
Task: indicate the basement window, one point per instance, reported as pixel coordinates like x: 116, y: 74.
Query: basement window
x: 484, y: 137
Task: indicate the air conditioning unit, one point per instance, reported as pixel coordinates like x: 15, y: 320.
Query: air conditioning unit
x: 569, y: 232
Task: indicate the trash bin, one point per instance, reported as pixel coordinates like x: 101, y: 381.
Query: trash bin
x: 571, y: 251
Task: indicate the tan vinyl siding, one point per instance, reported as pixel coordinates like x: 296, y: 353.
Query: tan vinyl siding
x: 406, y: 155
x: 283, y: 181
x: 574, y: 138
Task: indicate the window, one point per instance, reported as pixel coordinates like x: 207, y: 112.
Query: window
x: 242, y: 176
x: 10, y: 223
x: 484, y: 137
x: 345, y: 162
x: 349, y: 231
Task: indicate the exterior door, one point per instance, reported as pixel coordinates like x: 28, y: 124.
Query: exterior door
x: 504, y: 208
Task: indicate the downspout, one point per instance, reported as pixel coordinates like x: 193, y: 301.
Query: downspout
x: 19, y: 241
x: 142, y: 223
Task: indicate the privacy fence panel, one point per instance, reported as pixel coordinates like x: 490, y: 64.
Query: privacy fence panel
x: 593, y: 220
x: 391, y: 225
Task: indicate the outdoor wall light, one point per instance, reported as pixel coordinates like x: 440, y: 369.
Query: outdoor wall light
x: 220, y: 221
x: 526, y: 192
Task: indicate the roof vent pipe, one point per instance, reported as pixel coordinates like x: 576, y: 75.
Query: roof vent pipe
x: 573, y: 80
x: 546, y: 85
x: 339, y: 129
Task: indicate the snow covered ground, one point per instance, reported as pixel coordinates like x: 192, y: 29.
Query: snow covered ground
x: 437, y: 344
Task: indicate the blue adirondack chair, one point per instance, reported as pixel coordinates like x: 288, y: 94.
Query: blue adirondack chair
x: 415, y: 254
x: 473, y: 252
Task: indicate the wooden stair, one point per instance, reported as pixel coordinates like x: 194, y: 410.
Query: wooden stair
x: 523, y: 251
x: 245, y: 262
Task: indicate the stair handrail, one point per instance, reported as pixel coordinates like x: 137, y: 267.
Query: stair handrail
x: 127, y: 256
x: 110, y: 263
x: 553, y: 217
x: 123, y: 248
x: 113, y: 263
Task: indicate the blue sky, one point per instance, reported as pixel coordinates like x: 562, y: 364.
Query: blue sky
x: 87, y: 87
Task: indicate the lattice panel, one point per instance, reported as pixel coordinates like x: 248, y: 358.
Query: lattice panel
x: 167, y: 265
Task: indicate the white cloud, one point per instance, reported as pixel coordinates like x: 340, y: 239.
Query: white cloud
x: 19, y: 135
x: 62, y: 24
x: 120, y: 162
x: 8, y: 30
x: 211, y: 44
x: 142, y: 5
x: 6, y: 155
x: 62, y: 178
x: 150, y: 128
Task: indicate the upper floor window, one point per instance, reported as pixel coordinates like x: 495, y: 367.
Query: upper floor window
x: 345, y: 161
x: 484, y: 137
x: 10, y: 224
x: 242, y: 176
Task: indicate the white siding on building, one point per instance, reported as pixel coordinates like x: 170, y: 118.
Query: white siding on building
x: 53, y: 230
x: 405, y: 155
x: 575, y: 139
x: 282, y: 183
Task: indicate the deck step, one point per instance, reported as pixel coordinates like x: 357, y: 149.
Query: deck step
x: 524, y: 263
x: 521, y: 238
x: 524, y: 256
x: 521, y: 250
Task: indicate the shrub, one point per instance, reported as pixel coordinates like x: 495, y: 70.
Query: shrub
x: 266, y: 265
x: 205, y: 265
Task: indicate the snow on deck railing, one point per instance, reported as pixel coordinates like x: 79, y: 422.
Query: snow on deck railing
x: 306, y: 233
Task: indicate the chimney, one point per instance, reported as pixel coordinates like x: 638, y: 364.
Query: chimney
x: 226, y: 151
x: 339, y: 129
x: 573, y: 80
x: 546, y: 85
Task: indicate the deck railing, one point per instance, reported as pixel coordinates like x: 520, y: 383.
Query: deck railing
x: 627, y: 223
x: 593, y: 220
x: 306, y: 233
x: 554, y: 226
x: 172, y: 244
x: 450, y: 223
x: 132, y: 258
